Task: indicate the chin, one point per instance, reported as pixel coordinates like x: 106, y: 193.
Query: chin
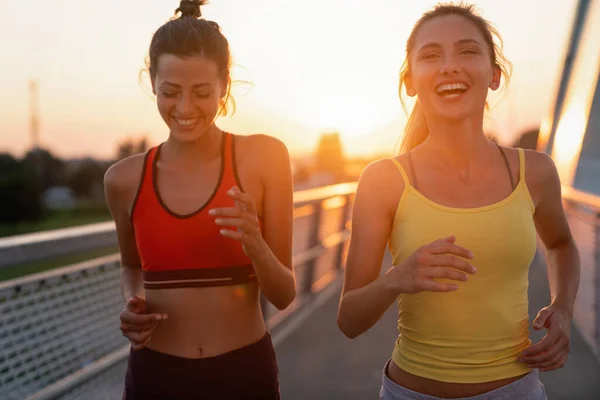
x: 455, y: 115
x: 451, y: 114
x: 457, y: 111
x: 188, y: 136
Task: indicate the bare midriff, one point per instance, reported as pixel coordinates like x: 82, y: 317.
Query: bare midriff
x: 443, y: 389
x: 205, y: 322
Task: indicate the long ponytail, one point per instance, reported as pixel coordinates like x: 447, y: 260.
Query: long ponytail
x: 416, y: 129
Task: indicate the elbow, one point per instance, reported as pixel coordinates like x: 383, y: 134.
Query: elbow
x: 284, y: 302
x: 346, y: 330
x: 345, y: 326
x: 286, y: 299
x: 282, y: 305
x: 564, y: 244
x: 290, y: 293
x: 566, y: 248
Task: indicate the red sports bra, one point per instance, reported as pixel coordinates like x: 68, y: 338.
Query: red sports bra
x: 187, y: 250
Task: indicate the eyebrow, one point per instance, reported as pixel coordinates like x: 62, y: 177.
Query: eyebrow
x: 461, y: 41
x: 198, y: 85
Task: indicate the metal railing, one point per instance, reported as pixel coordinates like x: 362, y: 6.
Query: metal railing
x: 29, y: 247
x: 59, y: 335
x: 583, y: 213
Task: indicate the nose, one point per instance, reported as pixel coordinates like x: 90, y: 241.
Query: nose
x: 185, y: 105
x: 449, y: 66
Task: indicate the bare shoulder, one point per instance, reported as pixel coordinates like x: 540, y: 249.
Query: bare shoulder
x: 382, y: 172
x: 541, y: 175
x: 382, y: 184
x: 260, y: 145
x: 123, y: 177
x: 540, y: 166
x: 261, y: 153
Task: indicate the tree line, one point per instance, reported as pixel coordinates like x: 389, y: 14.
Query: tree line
x: 23, y: 181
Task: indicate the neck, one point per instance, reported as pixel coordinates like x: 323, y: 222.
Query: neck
x: 187, y: 154
x: 457, y: 143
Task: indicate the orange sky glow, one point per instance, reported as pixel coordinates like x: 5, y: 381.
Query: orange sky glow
x: 316, y: 65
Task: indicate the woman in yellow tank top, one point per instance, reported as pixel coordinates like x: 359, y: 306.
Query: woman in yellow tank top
x: 460, y: 215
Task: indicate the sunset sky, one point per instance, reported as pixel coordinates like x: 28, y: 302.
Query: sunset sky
x: 315, y: 65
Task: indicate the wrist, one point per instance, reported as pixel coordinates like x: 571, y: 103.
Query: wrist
x: 389, y: 282
x: 127, y: 296
x: 261, y: 255
x: 563, y: 305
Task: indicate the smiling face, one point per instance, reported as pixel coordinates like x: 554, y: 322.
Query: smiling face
x: 451, y: 68
x: 189, y: 94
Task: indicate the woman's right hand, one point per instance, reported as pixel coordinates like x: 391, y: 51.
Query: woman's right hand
x: 438, y: 259
x: 136, y: 324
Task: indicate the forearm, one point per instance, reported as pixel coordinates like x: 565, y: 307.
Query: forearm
x: 132, y: 283
x: 361, y: 308
x: 563, y: 274
x: 276, y: 281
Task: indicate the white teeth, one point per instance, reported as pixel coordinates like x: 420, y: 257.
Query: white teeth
x: 451, y: 86
x: 186, y: 122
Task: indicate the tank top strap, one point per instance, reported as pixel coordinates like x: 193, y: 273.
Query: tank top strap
x: 150, y: 162
x: 228, y: 154
x: 522, y: 181
x: 147, y: 178
x: 521, y: 165
x: 145, y: 189
x: 402, y: 172
x: 229, y: 177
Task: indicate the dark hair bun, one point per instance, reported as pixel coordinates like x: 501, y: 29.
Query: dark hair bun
x: 190, y: 8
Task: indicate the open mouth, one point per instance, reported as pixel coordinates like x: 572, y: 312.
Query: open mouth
x: 451, y: 90
x: 186, y: 123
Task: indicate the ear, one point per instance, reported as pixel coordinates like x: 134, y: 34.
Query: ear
x: 153, y: 81
x: 496, y: 77
x: 408, y: 84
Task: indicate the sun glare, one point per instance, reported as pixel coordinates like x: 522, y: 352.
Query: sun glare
x: 347, y: 116
x: 568, y: 140
x: 573, y: 122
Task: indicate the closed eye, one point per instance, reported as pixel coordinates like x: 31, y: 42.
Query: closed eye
x: 429, y: 56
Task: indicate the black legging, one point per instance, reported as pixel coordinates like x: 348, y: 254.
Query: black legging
x: 247, y: 373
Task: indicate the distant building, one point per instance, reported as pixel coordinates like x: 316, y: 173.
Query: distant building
x: 329, y: 158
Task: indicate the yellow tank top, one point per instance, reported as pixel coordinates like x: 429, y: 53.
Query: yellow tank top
x: 474, y: 334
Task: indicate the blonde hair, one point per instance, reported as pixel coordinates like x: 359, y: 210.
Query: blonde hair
x: 416, y: 129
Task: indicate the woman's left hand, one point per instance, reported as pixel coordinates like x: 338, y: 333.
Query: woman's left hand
x: 552, y: 351
x: 245, y: 218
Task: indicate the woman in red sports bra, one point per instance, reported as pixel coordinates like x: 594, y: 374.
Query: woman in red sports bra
x: 204, y: 222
